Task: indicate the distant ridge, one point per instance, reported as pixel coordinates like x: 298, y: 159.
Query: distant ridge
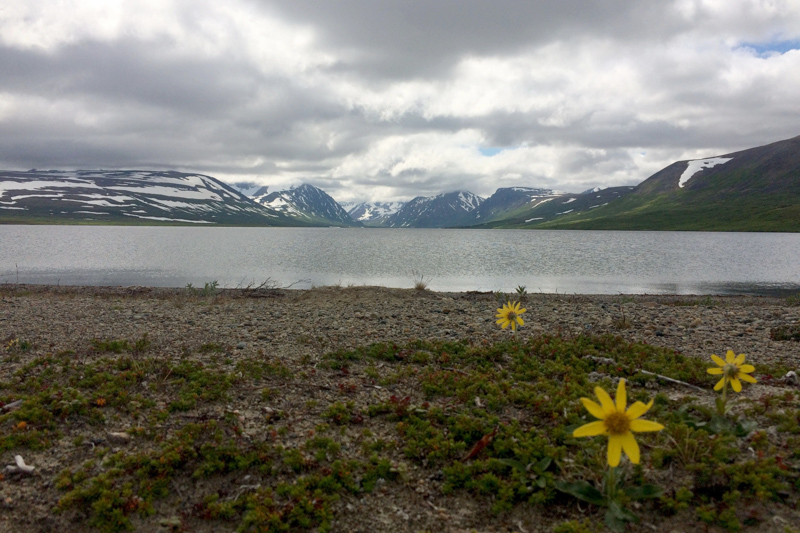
x: 757, y: 189
x: 307, y: 204
x: 444, y: 210
x: 126, y: 197
x: 372, y: 213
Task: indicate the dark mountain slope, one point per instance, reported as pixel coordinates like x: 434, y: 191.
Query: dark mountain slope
x: 751, y: 190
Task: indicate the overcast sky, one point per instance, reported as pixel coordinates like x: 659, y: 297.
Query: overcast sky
x: 392, y: 99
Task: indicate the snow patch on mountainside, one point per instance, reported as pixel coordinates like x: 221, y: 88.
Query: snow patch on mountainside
x: 308, y: 204
x: 695, y: 166
x: 163, y: 196
x: 368, y: 211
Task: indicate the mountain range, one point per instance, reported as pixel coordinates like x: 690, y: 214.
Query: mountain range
x: 751, y: 190
x: 127, y: 197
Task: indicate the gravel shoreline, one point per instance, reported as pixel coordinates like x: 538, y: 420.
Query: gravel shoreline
x: 291, y: 323
x: 296, y: 328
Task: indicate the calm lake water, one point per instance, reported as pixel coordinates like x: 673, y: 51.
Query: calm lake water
x: 597, y: 262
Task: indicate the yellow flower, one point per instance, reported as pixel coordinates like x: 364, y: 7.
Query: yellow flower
x: 509, y: 314
x: 732, y: 370
x: 617, y: 423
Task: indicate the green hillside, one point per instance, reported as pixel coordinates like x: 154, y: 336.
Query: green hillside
x: 754, y: 190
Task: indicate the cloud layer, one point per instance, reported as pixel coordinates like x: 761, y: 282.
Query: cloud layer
x: 393, y: 99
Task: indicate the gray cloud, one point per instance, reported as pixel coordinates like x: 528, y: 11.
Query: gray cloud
x: 388, y: 100
x: 399, y: 39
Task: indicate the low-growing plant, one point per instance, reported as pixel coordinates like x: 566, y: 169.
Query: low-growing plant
x: 420, y: 283
x: 509, y: 314
x: 787, y: 332
x: 209, y: 289
x: 618, y: 422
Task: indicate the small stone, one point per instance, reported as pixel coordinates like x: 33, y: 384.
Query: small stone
x: 241, y: 346
x: 118, y: 438
x: 791, y: 378
x: 173, y: 523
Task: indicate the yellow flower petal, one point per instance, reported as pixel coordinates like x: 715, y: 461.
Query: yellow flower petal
x: 736, y: 384
x: 605, y: 400
x: 739, y: 360
x: 513, y: 325
x: 638, y: 409
x: 590, y: 430
x: 747, y: 368
x: 730, y: 357
x: 521, y: 322
x: 630, y: 447
x: 622, y: 396
x: 642, y: 426
x: 720, y: 384
x: 614, y: 450
x: 714, y: 370
x: 522, y: 310
x: 747, y: 378
x: 717, y: 359
x: 594, y: 409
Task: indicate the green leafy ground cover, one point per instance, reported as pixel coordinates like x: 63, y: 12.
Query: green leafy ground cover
x: 485, y: 423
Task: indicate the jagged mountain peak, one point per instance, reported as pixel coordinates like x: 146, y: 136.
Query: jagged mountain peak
x: 249, y: 188
x: 307, y: 204
x: 443, y: 210
x: 371, y: 213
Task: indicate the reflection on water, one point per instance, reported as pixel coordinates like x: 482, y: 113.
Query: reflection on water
x: 598, y: 262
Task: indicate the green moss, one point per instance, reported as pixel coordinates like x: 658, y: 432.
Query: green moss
x: 492, y: 423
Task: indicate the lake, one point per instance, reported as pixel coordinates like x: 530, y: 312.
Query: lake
x: 590, y: 262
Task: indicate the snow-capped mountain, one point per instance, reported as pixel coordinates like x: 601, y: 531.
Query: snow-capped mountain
x: 307, y: 204
x: 127, y: 196
x: 250, y: 189
x: 444, y: 210
x: 371, y: 214
x: 507, y: 201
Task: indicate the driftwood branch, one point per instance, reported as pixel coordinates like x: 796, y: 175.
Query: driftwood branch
x: 21, y: 467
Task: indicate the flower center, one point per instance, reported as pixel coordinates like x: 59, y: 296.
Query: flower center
x: 511, y: 315
x: 730, y: 371
x: 617, y: 423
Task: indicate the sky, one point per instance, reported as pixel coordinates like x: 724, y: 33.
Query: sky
x: 391, y: 99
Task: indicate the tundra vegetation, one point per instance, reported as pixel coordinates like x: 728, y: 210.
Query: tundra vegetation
x: 507, y: 426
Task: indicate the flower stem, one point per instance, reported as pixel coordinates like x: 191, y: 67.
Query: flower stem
x: 724, y: 400
x: 612, y: 484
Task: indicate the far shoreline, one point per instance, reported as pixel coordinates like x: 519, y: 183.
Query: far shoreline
x: 776, y: 294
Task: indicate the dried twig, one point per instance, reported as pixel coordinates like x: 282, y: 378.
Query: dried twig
x: 672, y: 380
x: 11, y: 406
x: 481, y: 444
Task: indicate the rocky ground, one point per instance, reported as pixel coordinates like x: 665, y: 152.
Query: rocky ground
x: 297, y: 328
